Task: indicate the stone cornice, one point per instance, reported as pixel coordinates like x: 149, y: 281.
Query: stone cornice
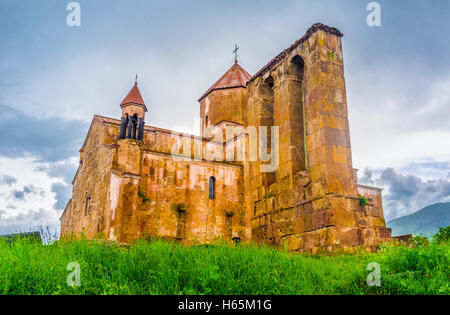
x: 316, y: 27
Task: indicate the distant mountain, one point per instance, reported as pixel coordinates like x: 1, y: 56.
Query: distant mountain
x: 426, y: 221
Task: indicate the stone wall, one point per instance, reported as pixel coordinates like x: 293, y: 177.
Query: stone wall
x: 223, y: 105
x: 172, y: 192
x: 133, y: 188
x: 88, y: 211
x: 371, y: 215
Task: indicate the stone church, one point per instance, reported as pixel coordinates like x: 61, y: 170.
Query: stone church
x: 282, y: 177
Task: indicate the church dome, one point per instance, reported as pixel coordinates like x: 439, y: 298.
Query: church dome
x: 235, y: 77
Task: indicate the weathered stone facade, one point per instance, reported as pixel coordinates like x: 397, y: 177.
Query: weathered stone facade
x: 136, y: 180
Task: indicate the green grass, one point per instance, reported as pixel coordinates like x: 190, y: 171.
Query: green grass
x: 166, y: 268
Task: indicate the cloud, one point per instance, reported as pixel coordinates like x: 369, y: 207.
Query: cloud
x: 405, y: 194
x: 29, y: 189
x: 63, y: 193
x: 49, y: 139
x: 31, y: 200
x: 7, y: 180
x: 28, y: 221
x: 42, y: 154
x: 366, y: 179
x: 427, y: 170
x: 396, y: 126
x: 65, y: 169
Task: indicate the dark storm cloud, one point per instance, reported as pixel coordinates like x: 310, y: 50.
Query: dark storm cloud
x: 405, y: 194
x: 48, y: 139
x: 7, y: 180
x: 366, y: 179
x: 52, y: 141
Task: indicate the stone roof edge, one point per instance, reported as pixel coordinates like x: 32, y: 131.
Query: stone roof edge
x: 89, y: 131
x: 370, y: 187
x: 182, y: 157
x: 219, y: 89
x: 65, y: 209
x: 135, y: 104
x: 223, y: 121
x: 316, y: 27
x: 113, y: 121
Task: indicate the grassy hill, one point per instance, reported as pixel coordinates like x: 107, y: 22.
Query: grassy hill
x: 426, y: 221
x: 168, y: 268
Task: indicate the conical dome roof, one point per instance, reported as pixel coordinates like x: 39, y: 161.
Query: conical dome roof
x: 134, y: 97
x: 235, y: 77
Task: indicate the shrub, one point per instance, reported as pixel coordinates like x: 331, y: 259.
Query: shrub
x: 363, y: 201
x: 442, y: 236
x: 419, y: 240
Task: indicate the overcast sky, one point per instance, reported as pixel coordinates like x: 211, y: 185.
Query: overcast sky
x: 54, y: 78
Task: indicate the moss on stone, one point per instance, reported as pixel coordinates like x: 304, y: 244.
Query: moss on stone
x: 143, y: 196
x: 331, y: 55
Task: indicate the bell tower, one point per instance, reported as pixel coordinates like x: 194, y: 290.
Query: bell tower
x: 133, y: 115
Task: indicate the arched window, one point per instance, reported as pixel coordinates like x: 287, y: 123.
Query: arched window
x: 297, y: 107
x: 181, y: 224
x: 229, y: 224
x: 206, y: 121
x: 265, y: 92
x: 135, y: 124
x: 212, y: 188
x: 86, y: 205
